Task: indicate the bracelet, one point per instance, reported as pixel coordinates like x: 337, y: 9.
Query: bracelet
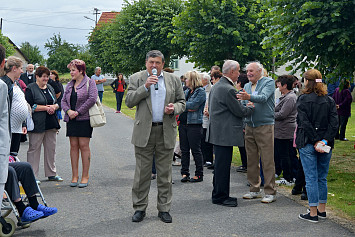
x: 325, y: 142
x: 34, y: 107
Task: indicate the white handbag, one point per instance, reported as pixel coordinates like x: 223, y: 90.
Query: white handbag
x: 96, y: 112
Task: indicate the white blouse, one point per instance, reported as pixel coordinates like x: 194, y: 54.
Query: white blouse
x: 19, y: 109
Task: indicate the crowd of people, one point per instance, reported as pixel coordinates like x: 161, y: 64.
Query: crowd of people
x: 270, y: 121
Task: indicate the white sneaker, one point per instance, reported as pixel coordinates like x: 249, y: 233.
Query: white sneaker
x: 252, y: 195
x: 284, y: 182
x: 176, y: 163
x: 268, y: 199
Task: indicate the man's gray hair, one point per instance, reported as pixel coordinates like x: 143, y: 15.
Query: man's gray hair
x: 257, y: 63
x: 206, y: 76
x: 97, y: 68
x: 229, y: 65
x: 154, y: 54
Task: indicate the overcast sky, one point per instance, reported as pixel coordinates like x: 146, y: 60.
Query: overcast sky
x: 36, y: 21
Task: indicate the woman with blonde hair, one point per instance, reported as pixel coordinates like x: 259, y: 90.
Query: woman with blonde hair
x: 317, y: 124
x: 19, y: 108
x: 190, y: 128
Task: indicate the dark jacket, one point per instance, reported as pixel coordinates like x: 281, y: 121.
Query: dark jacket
x: 26, y: 80
x: 317, y: 119
x: 114, y: 86
x: 226, y: 115
x: 39, y: 117
x: 343, y: 99
x: 10, y: 85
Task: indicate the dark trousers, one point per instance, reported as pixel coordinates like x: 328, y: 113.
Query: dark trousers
x: 221, y: 176
x: 243, y: 156
x: 15, y: 142
x: 343, y: 121
x: 282, y: 158
x: 20, y: 171
x: 190, y: 139
x: 300, y: 179
x: 119, y: 97
x: 100, y: 94
x: 206, y: 148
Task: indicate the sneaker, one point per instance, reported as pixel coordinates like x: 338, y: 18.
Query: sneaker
x: 252, y: 195
x: 47, y: 211
x: 208, y: 163
x: 308, y: 217
x: 55, y: 178
x: 284, y: 182
x: 321, y: 215
x: 242, y: 169
x: 176, y: 163
x: 117, y: 112
x: 268, y: 199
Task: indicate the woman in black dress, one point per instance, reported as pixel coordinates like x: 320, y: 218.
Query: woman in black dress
x: 79, y: 96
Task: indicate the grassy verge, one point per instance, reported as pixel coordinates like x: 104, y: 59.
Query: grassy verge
x: 341, y: 177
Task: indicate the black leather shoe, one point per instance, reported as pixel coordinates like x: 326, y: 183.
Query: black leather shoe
x: 296, y: 191
x: 343, y: 139
x: 211, y: 167
x: 185, y: 179
x: 199, y: 179
x: 304, y: 196
x: 165, y: 217
x: 229, y: 202
x: 138, y: 216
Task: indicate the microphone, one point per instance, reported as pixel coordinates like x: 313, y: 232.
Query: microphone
x: 155, y: 72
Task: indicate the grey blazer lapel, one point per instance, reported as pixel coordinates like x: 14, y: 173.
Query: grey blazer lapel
x: 168, y: 87
x: 148, y: 99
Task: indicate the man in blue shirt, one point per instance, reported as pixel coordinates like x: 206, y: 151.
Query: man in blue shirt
x: 99, y: 80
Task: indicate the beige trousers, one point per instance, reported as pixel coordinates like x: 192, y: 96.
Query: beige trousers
x: 49, y: 140
x: 143, y: 172
x: 259, y: 143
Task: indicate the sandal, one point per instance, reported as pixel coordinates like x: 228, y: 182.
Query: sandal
x: 47, y: 211
x: 30, y: 215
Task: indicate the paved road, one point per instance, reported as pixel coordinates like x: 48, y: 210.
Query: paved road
x: 104, y: 208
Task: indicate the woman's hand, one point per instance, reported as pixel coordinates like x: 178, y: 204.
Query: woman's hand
x: 51, y: 109
x: 318, y: 149
x: 72, y: 114
x: 24, y: 130
x: 205, y: 112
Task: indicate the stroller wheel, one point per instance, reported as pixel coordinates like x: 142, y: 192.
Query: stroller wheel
x: 9, y: 229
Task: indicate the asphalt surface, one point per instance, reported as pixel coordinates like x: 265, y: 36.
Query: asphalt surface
x: 104, y: 208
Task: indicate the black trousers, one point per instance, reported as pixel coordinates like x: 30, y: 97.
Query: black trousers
x: 206, y: 148
x: 300, y: 179
x: 20, y: 171
x: 221, y: 177
x: 243, y: 156
x: 343, y: 121
x: 190, y: 139
x: 119, y: 98
x: 282, y: 158
x: 15, y: 142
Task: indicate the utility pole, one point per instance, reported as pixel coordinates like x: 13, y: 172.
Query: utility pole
x: 1, y: 24
x: 96, y: 13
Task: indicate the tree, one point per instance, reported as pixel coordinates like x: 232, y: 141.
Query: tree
x: 32, y: 53
x: 90, y: 61
x: 10, y: 50
x: 60, y: 53
x: 308, y: 33
x: 211, y: 31
x: 140, y: 27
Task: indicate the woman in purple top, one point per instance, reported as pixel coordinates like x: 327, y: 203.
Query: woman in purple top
x: 79, y: 96
x: 343, y: 101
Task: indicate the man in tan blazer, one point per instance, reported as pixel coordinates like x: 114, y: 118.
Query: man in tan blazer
x: 158, y: 97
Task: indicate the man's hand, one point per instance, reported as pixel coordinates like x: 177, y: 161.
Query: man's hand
x: 169, y: 109
x: 250, y: 104
x: 151, y: 80
x: 242, y: 95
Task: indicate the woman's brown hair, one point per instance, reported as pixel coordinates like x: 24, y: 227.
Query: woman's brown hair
x: 55, y: 73
x: 312, y: 86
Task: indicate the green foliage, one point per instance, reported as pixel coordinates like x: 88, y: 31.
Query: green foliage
x: 32, y: 53
x: 141, y: 26
x: 211, y: 31
x: 10, y: 50
x: 308, y: 32
x: 60, y: 53
x: 90, y: 61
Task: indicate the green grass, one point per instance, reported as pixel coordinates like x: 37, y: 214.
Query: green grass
x: 341, y: 177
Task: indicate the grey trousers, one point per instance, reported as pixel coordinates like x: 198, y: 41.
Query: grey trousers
x: 20, y: 171
x: 142, y: 176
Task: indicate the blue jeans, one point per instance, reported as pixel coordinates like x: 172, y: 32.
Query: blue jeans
x: 315, y: 166
x: 100, y: 93
x: 119, y: 97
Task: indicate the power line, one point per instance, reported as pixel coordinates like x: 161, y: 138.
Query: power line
x: 58, y: 27
x: 42, y: 11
